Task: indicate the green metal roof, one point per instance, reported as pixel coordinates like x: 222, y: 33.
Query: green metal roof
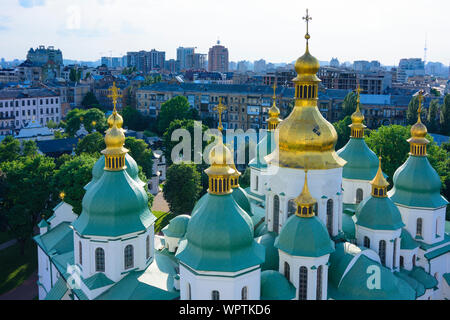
x: 240, y: 196
x: 447, y: 278
x: 304, y: 237
x: 272, y: 257
x: 98, y: 280
x: 437, y: 253
x: 417, y: 184
x: 379, y: 214
x: 219, y: 237
x: 419, y: 274
x: 362, y: 163
x: 58, y: 291
x: 274, y: 286
x: 348, y: 226
x: 43, y: 224
x: 115, y: 205
x: 177, y: 226
x: 416, y: 285
x: 407, y: 241
x: 56, y: 241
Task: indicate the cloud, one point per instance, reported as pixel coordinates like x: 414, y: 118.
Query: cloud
x: 31, y: 3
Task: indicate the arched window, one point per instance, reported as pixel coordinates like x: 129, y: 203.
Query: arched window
x: 330, y: 216
x: 292, y: 207
x: 438, y: 223
x: 244, y: 293
x: 276, y: 213
x: 129, y: 257
x: 303, y: 284
x: 367, y: 242
x: 80, y: 252
x: 419, y: 227
x: 414, y: 260
x: 189, y: 296
x: 287, y: 271
x: 359, y: 196
x: 99, y: 260
x: 215, y: 295
x: 382, y: 252
x: 394, y: 259
x: 147, y: 247
x: 319, y: 283
x: 402, y: 262
x: 256, y: 183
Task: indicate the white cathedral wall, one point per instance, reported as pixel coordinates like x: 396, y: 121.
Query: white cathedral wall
x: 408, y: 256
x: 433, y: 223
x: 258, y: 180
x: 351, y: 186
x: 229, y: 285
x: 436, y: 268
x: 295, y: 263
x: 288, y: 184
x: 44, y: 274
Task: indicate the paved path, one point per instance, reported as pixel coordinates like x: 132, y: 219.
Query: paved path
x: 160, y: 204
x: 28, y: 290
x: 7, y: 244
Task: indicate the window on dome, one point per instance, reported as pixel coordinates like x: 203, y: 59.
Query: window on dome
x: 287, y: 271
x: 319, y: 282
x: 330, y: 216
x: 367, y: 242
x: 129, y: 257
x: 375, y: 191
x: 189, y: 293
x: 256, y: 183
x: 215, y: 295
x: 359, y: 196
x: 276, y: 213
x: 382, y: 252
x: 394, y: 263
x: 402, y: 262
x: 414, y: 260
x: 438, y: 223
x: 292, y: 207
x: 419, y: 227
x: 303, y: 284
x: 147, y: 247
x: 244, y: 293
x: 99, y: 260
x: 80, y: 253
x: 316, y: 209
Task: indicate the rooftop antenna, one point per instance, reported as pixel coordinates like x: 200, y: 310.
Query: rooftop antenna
x: 425, y: 50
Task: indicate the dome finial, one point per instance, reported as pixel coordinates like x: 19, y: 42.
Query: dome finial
x: 419, y: 131
x: 305, y: 202
x: 274, y: 112
x: 379, y: 183
x: 357, y: 127
x: 307, y: 18
x: 220, y: 109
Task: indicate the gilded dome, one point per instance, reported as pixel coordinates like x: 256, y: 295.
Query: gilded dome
x: 220, y: 157
x: 307, y: 64
x: 357, y: 117
x: 115, y: 118
x: 419, y: 130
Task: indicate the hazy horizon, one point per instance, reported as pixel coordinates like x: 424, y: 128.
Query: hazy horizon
x: 85, y: 30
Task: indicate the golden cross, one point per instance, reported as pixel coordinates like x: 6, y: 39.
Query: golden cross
x: 275, y: 89
x: 307, y: 19
x: 358, y: 92
x: 114, y: 95
x: 220, y: 109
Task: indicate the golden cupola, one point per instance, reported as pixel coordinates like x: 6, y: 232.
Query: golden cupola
x: 274, y: 113
x: 357, y: 127
x: 379, y: 184
x: 419, y: 131
x: 306, y: 139
x: 305, y: 202
x: 115, y: 138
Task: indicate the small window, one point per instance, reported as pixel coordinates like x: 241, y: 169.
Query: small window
x: 287, y: 271
x: 80, y: 252
x: 303, y: 284
x: 129, y: 258
x: 419, y: 227
x: 99, y: 260
x: 244, y: 293
x: 215, y: 295
x: 402, y: 262
x: 367, y: 242
x: 147, y: 247
x: 359, y: 196
x: 382, y: 252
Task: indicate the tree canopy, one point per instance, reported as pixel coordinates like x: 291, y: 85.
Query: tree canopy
x: 343, y: 130
x: 91, y: 144
x: 177, y: 108
x: 92, y: 119
x: 349, y: 104
x: 141, y: 153
x: 90, y: 101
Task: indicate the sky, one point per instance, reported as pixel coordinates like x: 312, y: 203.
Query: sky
x: 384, y: 30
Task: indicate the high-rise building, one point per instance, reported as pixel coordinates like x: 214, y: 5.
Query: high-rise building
x: 259, y: 66
x: 48, y: 59
x: 410, y: 68
x: 184, y: 56
x: 146, y: 61
x: 218, y: 58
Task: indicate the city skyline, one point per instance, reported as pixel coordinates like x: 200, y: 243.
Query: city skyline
x: 258, y: 30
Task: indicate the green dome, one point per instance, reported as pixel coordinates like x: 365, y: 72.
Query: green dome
x: 177, y: 226
x: 265, y: 147
x: 219, y: 237
x: 99, y: 167
x: 413, y: 283
x: 304, y: 237
x: 362, y: 163
x: 407, y: 241
x: 240, y: 196
x: 379, y: 214
x: 115, y: 205
x: 348, y: 226
x: 272, y: 256
x: 353, y: 284
x: 274, y: 286
x: 417, y: 184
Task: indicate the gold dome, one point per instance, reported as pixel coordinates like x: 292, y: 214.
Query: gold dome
x: 419, y: 130
x: 305, y: 202
x: 379, y: 183
x: 357, y: 126
x: 115, y: 118
x: 307, y: 64
x: 220, y: 158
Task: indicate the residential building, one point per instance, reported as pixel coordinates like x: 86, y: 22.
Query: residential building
x: 218, y: 58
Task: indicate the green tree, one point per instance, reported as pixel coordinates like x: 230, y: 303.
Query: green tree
x: 9, y: 149
x: 90, y: 101
x: 95, y: 119
x: 73, y: 121
x: 433, y: 116
x: 135, y: 120
x: 27, y: 195
x: 75, y: 75
x: 92, y: 144
x: 177, y: 108
x: 141, y: 153
x: 343, y: 130
x: 182, y: 187
x: 245, y: 178
x: 445, y: 116
x: 349, y: 104
x: 29, y: 148
x: 71, y: 178
x: 52, y: 125
x: 188, y: 125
